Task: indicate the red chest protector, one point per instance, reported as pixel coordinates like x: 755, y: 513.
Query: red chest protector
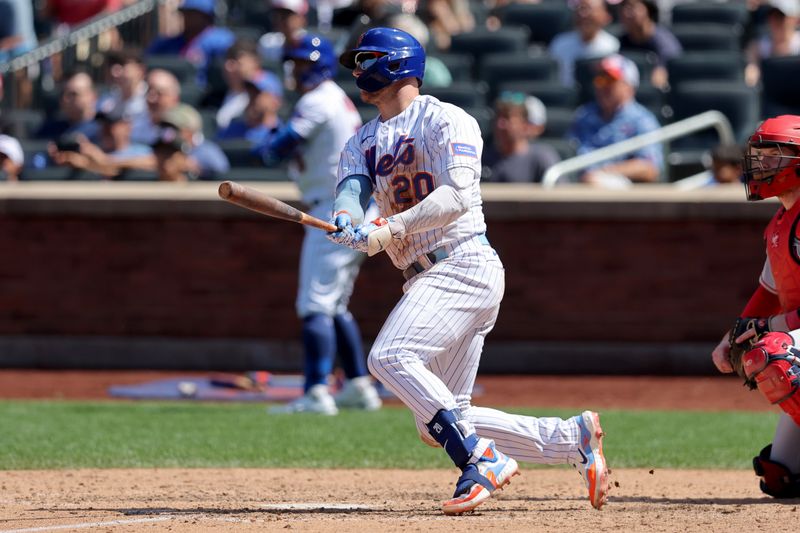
x: 783, y: 250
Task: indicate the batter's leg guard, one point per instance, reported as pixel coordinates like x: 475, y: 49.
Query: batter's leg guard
x: 774, y: 365
x: 319, y: 342
x: 776, y: 479
x: 452, y: 432
x: 484, y: 469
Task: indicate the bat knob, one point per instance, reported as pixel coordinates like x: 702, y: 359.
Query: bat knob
x: 225, y: 189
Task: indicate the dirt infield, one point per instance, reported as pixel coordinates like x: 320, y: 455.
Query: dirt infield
x: 547, y: 499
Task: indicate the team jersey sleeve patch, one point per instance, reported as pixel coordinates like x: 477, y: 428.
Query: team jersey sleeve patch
x: 465, y: 149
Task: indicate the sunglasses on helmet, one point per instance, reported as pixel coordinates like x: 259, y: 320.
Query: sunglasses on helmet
x: 364, y: 60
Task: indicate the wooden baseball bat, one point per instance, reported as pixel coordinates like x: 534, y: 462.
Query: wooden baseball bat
x: 254, y: 200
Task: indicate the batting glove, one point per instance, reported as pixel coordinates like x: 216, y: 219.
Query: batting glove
x: 345, y: 234
x: 376, y: 236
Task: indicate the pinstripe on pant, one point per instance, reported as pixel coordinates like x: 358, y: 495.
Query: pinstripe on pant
x: 429, y: 349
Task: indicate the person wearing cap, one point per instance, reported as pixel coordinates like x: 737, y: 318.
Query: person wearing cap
x: 289, y: 20
x: 260, y: 116
x: 11, y: 158
x: 201, y: 41
x: 204, y: 159
x: 515, y: 157
x: 782, y: 38
x: 587, y: 40
x: 639, y: 19
x: 615, y: 116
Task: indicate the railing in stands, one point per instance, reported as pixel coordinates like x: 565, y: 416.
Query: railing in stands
x: 28, y: 75
x: 708, y: 119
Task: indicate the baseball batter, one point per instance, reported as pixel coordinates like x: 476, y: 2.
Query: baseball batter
x: 763, y: 344
x: 322, y: 121
x: 420, y: 160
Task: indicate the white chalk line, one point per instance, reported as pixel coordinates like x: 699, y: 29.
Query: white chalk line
x: 85, y: 525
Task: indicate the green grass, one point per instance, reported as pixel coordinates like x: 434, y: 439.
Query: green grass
x: 66, y: 434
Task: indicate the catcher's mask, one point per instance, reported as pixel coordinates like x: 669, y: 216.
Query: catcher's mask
x: 772, y: 158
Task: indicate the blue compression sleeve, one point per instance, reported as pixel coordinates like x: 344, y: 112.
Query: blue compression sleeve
x: 279, y: 146
x: 353, y: 195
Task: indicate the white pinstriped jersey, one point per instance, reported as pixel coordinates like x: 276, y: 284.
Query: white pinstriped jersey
x: 326, y: 118
x: 406, y: 158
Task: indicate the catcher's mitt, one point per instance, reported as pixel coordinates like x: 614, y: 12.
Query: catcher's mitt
x: 743, y: 324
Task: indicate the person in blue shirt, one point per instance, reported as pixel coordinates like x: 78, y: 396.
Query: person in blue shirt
x: 260, y: 118
x: 77, y: 108
x: 201, y: 41
x: 615, y: 116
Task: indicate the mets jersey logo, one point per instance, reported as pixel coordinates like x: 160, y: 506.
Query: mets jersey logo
x: 389, y: 162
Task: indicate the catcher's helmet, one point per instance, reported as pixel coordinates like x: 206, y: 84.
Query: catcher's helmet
x: 772, y: 159
x: 317, y: 50
x: 390, y: 55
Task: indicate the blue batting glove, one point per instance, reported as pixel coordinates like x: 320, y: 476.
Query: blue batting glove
x: 345, y: 234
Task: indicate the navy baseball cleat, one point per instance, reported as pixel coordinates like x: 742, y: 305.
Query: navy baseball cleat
x: 479, y: 480
x: 592, y: 467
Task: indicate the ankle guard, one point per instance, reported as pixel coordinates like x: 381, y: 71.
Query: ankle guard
x: 450, y: 431
x: 776, y: 479
x: 774, y: 365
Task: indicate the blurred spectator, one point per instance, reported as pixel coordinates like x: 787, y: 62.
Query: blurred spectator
x: 75, y: 12
x: 17, y: 34
x: 446, y: 18
x: 639, y: 18
x: 115, y: 150
x: 242, y: 62
x: 587, y: 40
x: 77, y: 108
x: 260, y: 116
x: 373, y: 13
x: 783, y: 38
x: 163, y: 93
x: 614, y: 117
x: 171, y: 151
x: 126, y: 73
x: 436, y: 72
x: 726, y: 168
x: 204, y: 159
x: 11, y: 158
x: 519, y: 120
x: 201, y: 41
x: 289, y: 21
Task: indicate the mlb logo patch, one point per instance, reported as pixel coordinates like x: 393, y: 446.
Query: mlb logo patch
x: 468, y: 150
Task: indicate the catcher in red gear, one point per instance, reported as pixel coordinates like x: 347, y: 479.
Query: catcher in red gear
x: 762, y: 347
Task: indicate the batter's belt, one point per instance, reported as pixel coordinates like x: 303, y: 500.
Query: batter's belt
x: 426, y: 261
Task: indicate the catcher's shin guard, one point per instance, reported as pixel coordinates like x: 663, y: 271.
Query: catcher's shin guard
x: 774, y: 366
x: 776, y: 479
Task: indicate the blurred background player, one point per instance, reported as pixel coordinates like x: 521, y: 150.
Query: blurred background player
x: 772, y: 168
x: 322, y: 121
x: 421, y: 160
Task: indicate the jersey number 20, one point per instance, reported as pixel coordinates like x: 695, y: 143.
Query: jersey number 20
x: 412, y: 190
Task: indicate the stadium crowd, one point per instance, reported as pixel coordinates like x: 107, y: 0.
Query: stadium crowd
x: 545, y: 80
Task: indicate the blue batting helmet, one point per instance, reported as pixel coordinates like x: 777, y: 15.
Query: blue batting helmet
x: 317, y: 50
x: 399, y: 55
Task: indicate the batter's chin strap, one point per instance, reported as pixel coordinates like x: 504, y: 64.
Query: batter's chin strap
x: 776, y: 479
